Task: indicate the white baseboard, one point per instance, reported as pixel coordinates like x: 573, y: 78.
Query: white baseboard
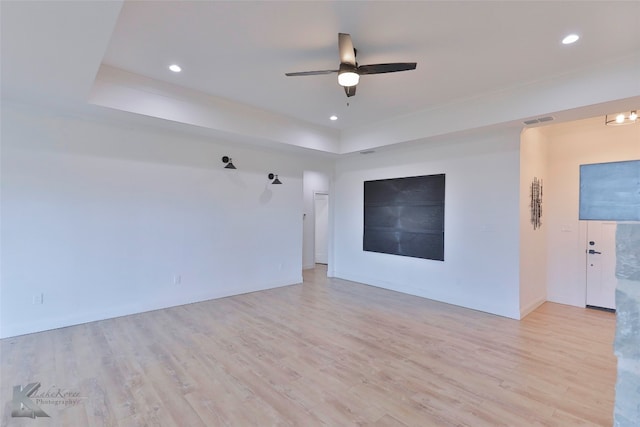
x: 410, y: 289
x: 524, y: 311
x: 76, y: 318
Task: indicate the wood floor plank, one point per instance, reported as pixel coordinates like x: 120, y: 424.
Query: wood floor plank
x: 324, y: 352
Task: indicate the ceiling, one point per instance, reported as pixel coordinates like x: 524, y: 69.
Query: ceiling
x: 234, y: 55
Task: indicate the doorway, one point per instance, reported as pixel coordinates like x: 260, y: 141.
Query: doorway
x: 321, y: 227
x: 601, y: 264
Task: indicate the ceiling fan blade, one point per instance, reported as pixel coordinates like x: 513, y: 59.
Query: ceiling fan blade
x: 350, y: 91
x: 386, y: 68
x: 347, y: 52
x: 311, y: 73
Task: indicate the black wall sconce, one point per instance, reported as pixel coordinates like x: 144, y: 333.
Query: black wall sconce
x: 275, y: 179
x: 227, y: 160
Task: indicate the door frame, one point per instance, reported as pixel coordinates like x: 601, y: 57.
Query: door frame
x: 315, y: 218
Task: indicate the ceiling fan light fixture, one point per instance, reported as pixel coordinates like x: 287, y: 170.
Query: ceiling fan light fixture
x: 348, y: 75
x: 348, y: 78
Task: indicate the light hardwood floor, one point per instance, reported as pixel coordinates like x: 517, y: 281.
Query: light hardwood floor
x: 326, y: 352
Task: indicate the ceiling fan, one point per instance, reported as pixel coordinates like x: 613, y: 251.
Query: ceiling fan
x: 349, y: 72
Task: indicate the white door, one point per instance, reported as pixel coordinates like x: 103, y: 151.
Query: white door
x: 601, y: 264
x: 321, y: 204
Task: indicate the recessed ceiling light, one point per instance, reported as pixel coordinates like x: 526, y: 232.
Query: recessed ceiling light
x: 571, y: 38
x: 333, y: 118
x: 175, y: 68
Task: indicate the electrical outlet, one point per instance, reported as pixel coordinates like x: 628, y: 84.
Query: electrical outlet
x: 177, y: 279
x: 38, y: 299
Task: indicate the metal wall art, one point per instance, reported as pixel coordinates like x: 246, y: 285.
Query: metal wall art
x: 535, y: 192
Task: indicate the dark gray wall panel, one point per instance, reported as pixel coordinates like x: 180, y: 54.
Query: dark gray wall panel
x: 405, y: 216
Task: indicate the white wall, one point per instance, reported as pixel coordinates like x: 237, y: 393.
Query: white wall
x: 533, y: 243
x: 481, y: 267
x: 100, y: 219
x: 569, y: 146
x: 313, y: 181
